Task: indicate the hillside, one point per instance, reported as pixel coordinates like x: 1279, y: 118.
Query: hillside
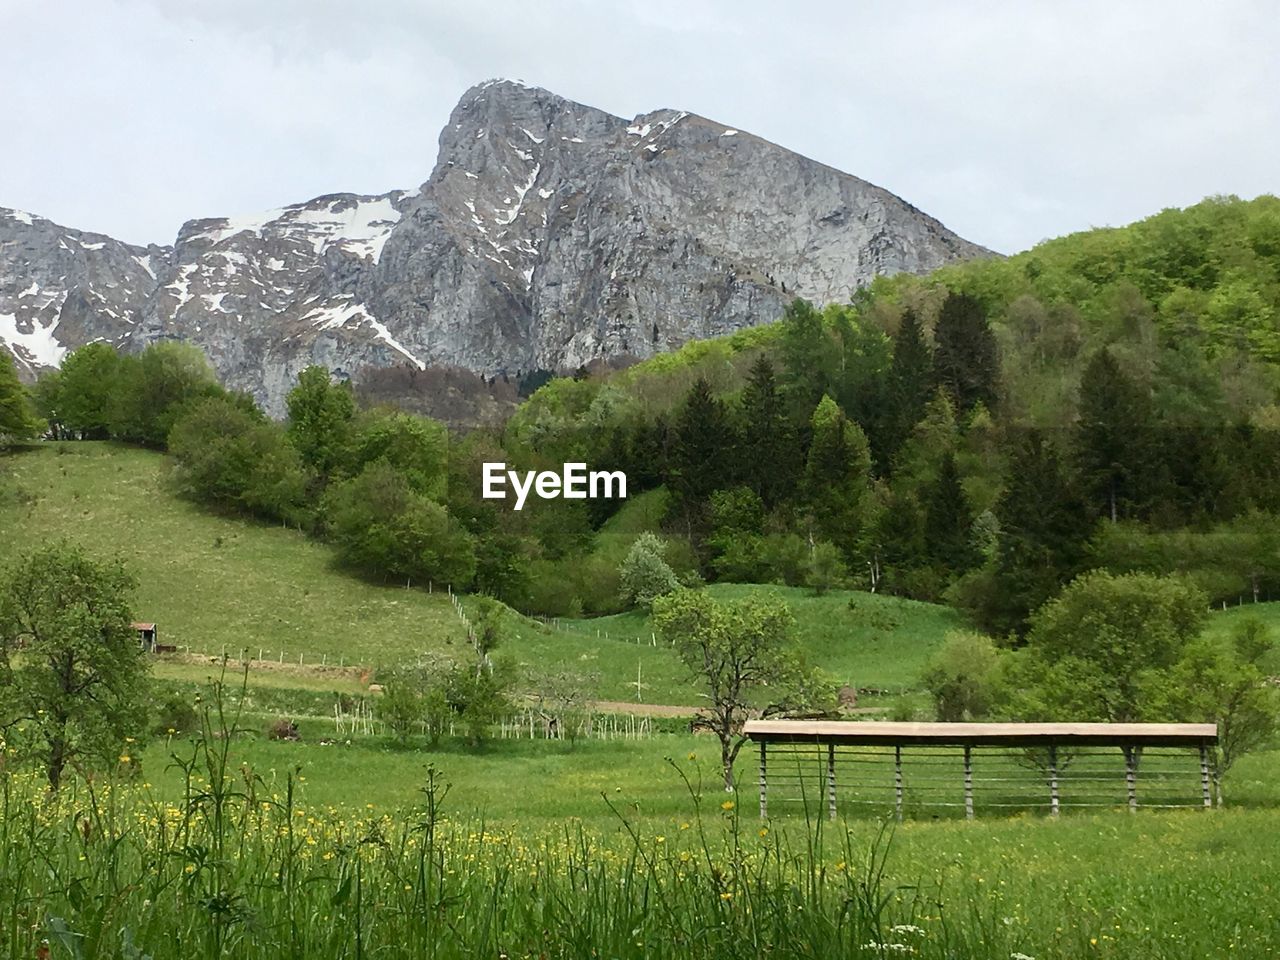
x: 215, y: 583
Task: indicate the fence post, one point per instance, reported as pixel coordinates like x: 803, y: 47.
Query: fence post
x: 897, y: 780
x: 968, y: 782
x: 1053, y: 779
x: 764, y: 788
x: 1204, y: 775
x: 1131, y: 776
x: 831, y: 781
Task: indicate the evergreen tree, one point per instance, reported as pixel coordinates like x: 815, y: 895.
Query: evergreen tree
x: 1114, y: 439
x: 701, y: 455
x: 770, y: 455
x: 807, y: 355
x: 907, y: 388
x: 966, y: 362
x: 836, y: 478
x: 1044, y: 527
x: 948, y: 520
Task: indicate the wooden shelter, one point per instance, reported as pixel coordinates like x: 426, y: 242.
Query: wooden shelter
x: 933, y: 766
x: 147, y: 636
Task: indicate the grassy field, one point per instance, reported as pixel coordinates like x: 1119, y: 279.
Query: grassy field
x: 538, y: 851
x: 322, y: 848
x: 217, y: 584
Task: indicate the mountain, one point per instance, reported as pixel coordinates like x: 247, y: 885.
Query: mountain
x: 549, y: 235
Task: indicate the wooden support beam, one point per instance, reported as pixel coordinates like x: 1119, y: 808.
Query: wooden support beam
x: 1131, y: 776
x: 764, y: 786
x: 1053, y: 780
x: 831, y: 781
x: 897, y: 781
x: 1204, y: 775
x: 968, y: 782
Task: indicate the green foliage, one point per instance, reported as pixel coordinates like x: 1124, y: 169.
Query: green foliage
x: 645, y: 574
x: 1224, y: 683
x: 948, y: 521
x: 1114, y: 438
x: 402, y: 705
x: 963, y: 677
x: 417, y: 447
x: 965, y: 360
x: 72, y: 677
x: 738, y: 652
x: 770, y: 452
x: 907, y: 387
x: 1043, y: 529
x: 85, y: 384
x: 380, y: 525
x: 17, y: 418
x: 152, y: 389
x: 836, y: 478
x: 826, y: 568
x: 231, y: 456
x: 1104, y: 649
x: 702, y: 452
x: 320, y: 414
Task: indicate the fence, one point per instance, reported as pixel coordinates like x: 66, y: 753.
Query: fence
x: 937, y: 768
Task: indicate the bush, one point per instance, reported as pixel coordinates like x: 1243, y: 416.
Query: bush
x: 962, y: 677
x: 645, y: 575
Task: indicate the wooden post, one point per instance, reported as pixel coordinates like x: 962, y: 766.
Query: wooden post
x: 968, y: 782
x: 764, y: 788
x: 1053, y: 780
x: 831, y: 781
x: 897, y: 780
x: 1131, y: 776
x: 1204, y: 775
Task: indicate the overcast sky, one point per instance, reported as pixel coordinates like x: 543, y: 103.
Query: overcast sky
x: 1009, y: 122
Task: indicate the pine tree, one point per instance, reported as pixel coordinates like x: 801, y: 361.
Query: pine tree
x: 701, y: 458
x: 1044, y: 528
x: 1114, y: 439
x: 770, y: 455
x: 949, y: 520
x: 807, y: 355
x: 966, y: 362
x: 836, y: 478
x: 907, y: 388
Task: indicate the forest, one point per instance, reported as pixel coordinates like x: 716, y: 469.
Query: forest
x: 979, y: 436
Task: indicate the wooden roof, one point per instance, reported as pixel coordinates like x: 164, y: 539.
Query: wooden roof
x: 973, y: 734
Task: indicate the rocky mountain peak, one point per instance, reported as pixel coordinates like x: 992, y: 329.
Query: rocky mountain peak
x: 549, y: 234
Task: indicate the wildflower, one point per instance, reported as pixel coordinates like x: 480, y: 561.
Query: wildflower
x: 692, y: 755
x: 726, y: 896
x: 727, y: 805
x: 764, y: 831
x: 124, y: 758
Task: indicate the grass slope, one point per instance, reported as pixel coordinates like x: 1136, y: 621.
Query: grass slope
x: 215, y: 583
x: 209, y: 582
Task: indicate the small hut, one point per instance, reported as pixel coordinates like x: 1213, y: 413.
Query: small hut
x: 146, y: 636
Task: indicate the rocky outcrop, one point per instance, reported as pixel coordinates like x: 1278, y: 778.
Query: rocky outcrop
x: 550, y: 234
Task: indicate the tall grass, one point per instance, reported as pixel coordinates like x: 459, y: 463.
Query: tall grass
x: 236, y: 867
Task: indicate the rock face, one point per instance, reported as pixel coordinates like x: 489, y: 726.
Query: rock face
x: 550, y: 234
